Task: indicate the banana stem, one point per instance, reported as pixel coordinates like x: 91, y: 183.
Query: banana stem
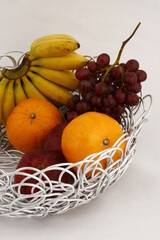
x: 120, y: 51
x: 19, y: 71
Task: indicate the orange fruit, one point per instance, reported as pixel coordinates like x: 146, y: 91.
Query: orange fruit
x: 90, y: 133
x: 30, y: 122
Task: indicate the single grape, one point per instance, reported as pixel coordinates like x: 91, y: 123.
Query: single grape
x: 115, y: 73
x: 75, y: 99
x: 109, y: 101
x: 82, y: 74
x: 136, y: 88
x: 112, y: 101
x: 71, y: 115
x: 119, y: 109
x: 132, y: 65
x: 101, y: 89
x: 82, y: 107
x: 120, y: 96
x: 71, y: 105
x: 130, y: 78
x: 103, y: 60
x: 92, y: 66
x: 141, y: 75
x: 84, y: 86
x: 96, y: 101
x: 132, y: 99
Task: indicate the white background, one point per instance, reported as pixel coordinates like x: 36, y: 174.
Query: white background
x: 131, y: 208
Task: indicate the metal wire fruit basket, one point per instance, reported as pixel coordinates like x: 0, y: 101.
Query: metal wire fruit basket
x: 55, y: 197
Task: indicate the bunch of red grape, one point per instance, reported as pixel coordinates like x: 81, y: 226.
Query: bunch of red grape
x: 106, y: 88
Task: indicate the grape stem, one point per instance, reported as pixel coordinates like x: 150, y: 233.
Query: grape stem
x: 120, y: 52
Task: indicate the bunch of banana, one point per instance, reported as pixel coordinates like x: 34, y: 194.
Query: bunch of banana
x: 46, y: 72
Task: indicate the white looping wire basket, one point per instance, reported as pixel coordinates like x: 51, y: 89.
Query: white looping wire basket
x: 55, y: 197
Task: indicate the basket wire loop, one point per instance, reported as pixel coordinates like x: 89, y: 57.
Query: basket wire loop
x: 15, y: 62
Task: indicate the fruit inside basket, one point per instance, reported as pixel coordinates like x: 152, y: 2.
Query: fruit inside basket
x: 69, y: 125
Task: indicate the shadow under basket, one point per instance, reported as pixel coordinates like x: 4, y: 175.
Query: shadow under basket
x: 56, y: 197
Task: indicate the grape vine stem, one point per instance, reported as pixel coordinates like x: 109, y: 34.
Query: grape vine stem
x: 120, y: 51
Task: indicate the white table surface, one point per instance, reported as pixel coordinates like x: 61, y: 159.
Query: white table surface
x: 131, y: 208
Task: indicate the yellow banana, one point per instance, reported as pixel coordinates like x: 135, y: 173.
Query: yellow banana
x: 66, y: 78
x: 69, y: 62
x: 54, y: 47
x: 51, y: 90
x: 30, y: 90
x: 8, y: 101
x: 1, y: 75
x: 45, y: 38
x: 19, y: 93
x: 3, y: 83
